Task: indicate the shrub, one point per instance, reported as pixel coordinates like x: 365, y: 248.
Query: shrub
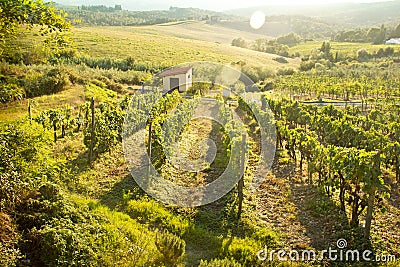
x: 281, y: 60
x: 119, y: 64
x: 266, y: 237
x: 10, y: 92
x: 114, y: 87
x: 243, y: 251
x: 64, y: 243
x: 8, y: 239
x: 289, y: 39
x: 363, y: 55
x: 171, y: 246
x: 220, y: 263
x: 23, y: 151
x: 199, y: 88
x: 204, y: 239
x: 239, y: 42
x: 257, y: 73
x: 54, y: 81
x: 99, y: 94
x: 133, y: 241
x: 8, y: 255
x: 266, y: 85
x: 157, y: 216
x: 286, y: 71
x: 307, y: 65
x: 319, y: 66
x: 99, y: 83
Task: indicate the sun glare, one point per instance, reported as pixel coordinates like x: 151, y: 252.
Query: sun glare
x: 257, y: 20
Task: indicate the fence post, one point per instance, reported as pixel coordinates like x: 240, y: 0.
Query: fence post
x: 149, y: 148
x: 241, y: 181
x: 30, y: 112
x: 263, y: 104
x: 370, y: 206
x: 92, y: 133
x: 55, y: 130
x: 79, y: 121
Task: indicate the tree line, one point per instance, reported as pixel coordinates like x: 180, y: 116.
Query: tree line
x: 279, y: 46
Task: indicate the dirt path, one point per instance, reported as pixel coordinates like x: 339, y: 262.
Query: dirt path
x: 307, y: 218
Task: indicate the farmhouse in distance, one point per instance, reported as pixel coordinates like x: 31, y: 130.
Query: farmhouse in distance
x: 393, y: 41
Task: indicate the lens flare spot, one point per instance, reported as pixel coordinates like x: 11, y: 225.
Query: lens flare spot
x: 257, y: 20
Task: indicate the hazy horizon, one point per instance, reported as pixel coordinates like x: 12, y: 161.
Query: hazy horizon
x: 223, y: 5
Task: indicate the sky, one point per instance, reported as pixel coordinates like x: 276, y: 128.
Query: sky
x: 219, y: 5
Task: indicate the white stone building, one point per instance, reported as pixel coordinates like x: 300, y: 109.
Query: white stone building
x: 178, y: 78
x: 393, y: 41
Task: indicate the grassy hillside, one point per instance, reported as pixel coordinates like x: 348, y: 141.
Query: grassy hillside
x: 162, y: 45
x: 151, y: 44
x: 206, y: 32
x: 157, y: 44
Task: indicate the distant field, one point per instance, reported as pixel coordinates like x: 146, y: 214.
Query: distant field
x: 206, y: 32
x: 349, y: 49
x: 161, y: 44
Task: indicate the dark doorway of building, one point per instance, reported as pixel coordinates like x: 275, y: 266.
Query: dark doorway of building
x: 174, y: 83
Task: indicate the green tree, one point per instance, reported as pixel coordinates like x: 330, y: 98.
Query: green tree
x: 326, y: 49
x: 396, y: 32
x: 259, y: 45
x: 239, y: 42
x: 15, y: 13
x: 382, y: 36
x: 373, y: 33
x: 290, y: 39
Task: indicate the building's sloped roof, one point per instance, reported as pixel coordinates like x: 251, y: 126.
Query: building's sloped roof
x: 172, y: 72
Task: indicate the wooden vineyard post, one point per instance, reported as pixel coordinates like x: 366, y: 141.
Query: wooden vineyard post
x: 241, y: 181
x: 62, y: 129
x: 232, y: 118
x: 263, y: 104
x: 30, y: 112
x: 397, y: 163
x: 92, y: 133
x: 86, y: 117
x: 370, y: 207
x: 362, y: 104
x: 376, y: 162
x: 149, y: 149
x: 79, y: 120
x: 55, y: 130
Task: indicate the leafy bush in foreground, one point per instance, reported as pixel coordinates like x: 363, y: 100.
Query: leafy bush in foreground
x: 171, y: 246
x: 54, y: 81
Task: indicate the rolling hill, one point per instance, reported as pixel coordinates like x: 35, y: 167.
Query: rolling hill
x: 346, y: 14
x: 172, y: 44
x: 277, y: 25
